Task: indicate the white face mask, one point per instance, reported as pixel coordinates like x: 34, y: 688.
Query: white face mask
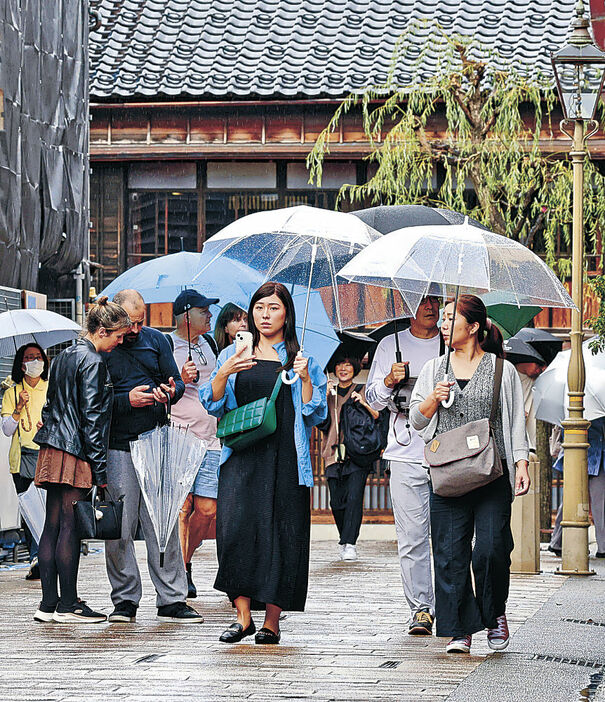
x: 34, y: 368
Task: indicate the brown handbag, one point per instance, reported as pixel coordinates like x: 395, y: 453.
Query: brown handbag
x: 466, y: 458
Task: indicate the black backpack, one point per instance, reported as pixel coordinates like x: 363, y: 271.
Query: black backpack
x: 360, y: 433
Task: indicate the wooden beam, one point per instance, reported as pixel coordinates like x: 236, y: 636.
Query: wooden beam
x: 134, y: 152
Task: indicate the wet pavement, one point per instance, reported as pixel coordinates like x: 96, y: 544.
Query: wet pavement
x: 350, y: 643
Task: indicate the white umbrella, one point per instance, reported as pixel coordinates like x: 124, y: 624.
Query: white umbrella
x: 43, y: 327
x: 550, y: 389
x: 440, y: 259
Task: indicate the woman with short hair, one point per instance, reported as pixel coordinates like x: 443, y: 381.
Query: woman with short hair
x: 263, y: 518
x: 484, y: 512
x: 73, y: 456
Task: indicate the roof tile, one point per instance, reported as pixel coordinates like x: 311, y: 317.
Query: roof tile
x: 297, y: 47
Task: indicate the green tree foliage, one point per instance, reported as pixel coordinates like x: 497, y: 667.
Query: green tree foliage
x: 493, y: 115
x: 598, y: 323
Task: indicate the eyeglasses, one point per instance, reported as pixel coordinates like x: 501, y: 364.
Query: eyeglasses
x: 198, y: 349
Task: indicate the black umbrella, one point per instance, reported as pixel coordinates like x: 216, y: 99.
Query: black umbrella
x: 352, y: 345
x: 389, y: 328
x: 388, y: 218
x: 546, y: 344
x: 518, y: 351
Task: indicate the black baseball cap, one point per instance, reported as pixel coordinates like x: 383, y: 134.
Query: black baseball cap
x: 191, y: 298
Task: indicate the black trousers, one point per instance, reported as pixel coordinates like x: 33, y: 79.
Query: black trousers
x: 346, y: 501
x: 484, y: 512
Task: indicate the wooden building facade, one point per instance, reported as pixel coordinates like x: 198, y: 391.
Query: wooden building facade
x: 203, y: 113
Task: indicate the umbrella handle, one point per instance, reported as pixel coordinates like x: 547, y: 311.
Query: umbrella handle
x: 295, y: 377
x: 450, y: 400
x: 286, y: 380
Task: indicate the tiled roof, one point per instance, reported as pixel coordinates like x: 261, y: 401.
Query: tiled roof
x: 305, y: 48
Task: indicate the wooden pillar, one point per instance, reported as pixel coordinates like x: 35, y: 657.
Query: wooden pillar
x: 525, y: 525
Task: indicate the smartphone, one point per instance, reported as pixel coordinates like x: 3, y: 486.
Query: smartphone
x: 243, y: 339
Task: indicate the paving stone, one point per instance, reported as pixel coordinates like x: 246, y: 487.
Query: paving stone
x: 355, y: 621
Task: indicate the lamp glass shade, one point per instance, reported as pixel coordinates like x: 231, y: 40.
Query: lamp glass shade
x: 579, y: 73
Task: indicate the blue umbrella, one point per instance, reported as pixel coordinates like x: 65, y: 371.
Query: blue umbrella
x: 162, y: 279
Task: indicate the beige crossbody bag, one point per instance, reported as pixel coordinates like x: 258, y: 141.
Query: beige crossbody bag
x: 466, y: 458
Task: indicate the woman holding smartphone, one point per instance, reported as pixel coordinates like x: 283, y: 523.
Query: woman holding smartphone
x: 73, y: 456
x: 263, y: 509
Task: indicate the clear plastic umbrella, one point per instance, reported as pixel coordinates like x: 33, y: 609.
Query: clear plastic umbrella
x: 442, y: 259
x: 307, y: 246
x: 32, y: 505
x: 550, y: 389
x: 166, y: 461
x: 446, y: 260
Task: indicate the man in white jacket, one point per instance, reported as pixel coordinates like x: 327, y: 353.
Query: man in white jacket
x: 409, y: 479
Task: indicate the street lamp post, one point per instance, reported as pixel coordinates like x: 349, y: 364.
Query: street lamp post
x: 579, y: 70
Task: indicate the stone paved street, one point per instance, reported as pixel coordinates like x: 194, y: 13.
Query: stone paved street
x: 350, y: 644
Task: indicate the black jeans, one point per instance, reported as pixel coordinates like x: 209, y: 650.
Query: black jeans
x: 484, y: 512
x: 346, y: 501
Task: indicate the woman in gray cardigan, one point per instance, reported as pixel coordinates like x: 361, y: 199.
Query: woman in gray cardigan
x: 483, y: 512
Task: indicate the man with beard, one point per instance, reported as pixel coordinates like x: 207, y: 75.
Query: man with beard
x: 142, y: 373
x: 409, y: 479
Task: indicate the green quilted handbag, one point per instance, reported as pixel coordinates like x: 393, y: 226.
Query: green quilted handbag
x: 250, y: 423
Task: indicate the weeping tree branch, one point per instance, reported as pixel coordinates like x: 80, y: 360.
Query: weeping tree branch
x: 489, y: 155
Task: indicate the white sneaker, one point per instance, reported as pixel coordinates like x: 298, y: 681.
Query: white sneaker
x: 349, y: 553
x: 341, y: 551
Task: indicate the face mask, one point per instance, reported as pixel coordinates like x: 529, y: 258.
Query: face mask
x: 34, y: 368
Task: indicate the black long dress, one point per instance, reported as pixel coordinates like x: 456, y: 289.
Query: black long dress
x: 263, y: 520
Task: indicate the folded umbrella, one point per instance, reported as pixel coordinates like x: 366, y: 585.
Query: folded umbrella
x: 32, y: 506
x: 42, y: 327
x: 166, y: 461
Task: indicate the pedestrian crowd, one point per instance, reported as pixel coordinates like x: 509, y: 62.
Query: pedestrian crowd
x: 73, y: 424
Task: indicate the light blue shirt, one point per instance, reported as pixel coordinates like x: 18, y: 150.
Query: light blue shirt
x: 306, y: 414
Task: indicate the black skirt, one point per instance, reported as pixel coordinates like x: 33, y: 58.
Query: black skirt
x: 263, y: 519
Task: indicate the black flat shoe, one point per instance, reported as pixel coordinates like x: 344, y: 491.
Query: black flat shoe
x: 266, y: 636
x: 236, y: 633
